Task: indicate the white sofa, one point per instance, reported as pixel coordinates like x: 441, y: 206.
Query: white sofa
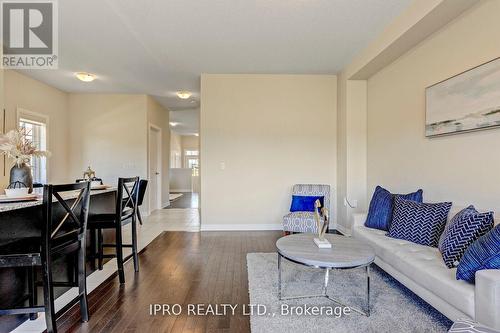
x: 422, y: 270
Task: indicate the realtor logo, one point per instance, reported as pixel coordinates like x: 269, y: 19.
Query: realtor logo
x: 29, y: 34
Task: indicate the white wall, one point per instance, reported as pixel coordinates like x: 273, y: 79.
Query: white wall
x: 270, y: 131
x: 108, y: 132
x: 342, y: 186
x: 189, y: 142
x: 159, y: 116
x: 181, y: 180
x: 352, y: 145
x: 175, y: 150
x: 179, y: 144
x: 462, y: 168
x: 24, y: 92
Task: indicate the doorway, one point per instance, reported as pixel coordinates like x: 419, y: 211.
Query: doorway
x: 154, y: 167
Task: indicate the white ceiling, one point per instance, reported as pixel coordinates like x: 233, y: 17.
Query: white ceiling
x: 188, y: 121
x: 158, y: 47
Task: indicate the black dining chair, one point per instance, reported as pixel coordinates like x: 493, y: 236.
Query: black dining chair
x: 141, y: 189
x: 126, y: 209
x: 63, y: 233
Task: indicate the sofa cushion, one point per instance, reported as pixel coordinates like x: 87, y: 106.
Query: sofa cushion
x: 382, y: 205
x: 463, y: 229
x: 484, y: 253
x: 422, y: 264
x: 420, y: 223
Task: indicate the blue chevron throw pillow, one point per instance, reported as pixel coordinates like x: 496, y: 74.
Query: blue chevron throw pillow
x: 463, y: 229
x: 484, y: 253
x: 420, y: 223
x: 382, y: 206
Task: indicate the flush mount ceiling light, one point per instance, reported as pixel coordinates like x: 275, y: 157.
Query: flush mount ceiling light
x: 85, y: 77
x: 173, y: 124
x: 184, y: 94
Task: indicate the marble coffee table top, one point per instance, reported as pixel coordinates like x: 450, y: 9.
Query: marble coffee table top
x: 345, y: 252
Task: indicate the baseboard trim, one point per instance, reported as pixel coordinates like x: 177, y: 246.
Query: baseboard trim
x: 343, y: 230
x: 240, y: 227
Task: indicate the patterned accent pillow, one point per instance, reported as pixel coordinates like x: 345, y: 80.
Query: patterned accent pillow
x: 484, y: 253
x: 420, y: 223
x: 463, y: 229
x: 382, y: 205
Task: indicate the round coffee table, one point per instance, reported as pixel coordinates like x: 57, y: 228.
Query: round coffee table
x: 345, y: 253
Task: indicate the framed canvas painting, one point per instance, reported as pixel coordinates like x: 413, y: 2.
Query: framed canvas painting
x: 469, y: 101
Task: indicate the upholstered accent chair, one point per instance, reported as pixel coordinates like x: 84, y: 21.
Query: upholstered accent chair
x: 305, y: 221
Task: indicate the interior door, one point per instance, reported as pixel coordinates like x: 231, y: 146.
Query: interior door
x: 154, y: 169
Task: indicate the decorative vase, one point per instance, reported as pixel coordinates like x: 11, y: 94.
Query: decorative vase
x: 22, y: 173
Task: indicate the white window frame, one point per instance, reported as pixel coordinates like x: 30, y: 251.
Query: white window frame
x: 40, y: 118
x: 190, y: 156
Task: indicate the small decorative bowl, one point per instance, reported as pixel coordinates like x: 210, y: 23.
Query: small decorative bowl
x: 95, y: 183
x: 16, y: 192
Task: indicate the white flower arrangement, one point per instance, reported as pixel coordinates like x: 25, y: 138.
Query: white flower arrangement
x: 15, y: 145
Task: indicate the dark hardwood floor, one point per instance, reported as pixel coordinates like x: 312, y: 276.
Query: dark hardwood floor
x: 177, y: 268
x: 187, y: 200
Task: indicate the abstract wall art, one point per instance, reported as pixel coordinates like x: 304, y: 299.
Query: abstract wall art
x: 466, y: 102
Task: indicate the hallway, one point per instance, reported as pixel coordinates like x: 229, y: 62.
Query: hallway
x: 186, y: 200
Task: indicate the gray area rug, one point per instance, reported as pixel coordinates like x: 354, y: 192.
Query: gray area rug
x: 393, y: 307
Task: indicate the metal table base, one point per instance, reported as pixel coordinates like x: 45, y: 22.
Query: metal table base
x: 365, y: 312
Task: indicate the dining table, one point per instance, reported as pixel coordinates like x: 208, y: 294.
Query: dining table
x: 23, y: 219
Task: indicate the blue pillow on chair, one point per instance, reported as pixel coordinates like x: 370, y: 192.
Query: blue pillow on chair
x: 382, y: 205
x: 484, y: 253
x: 462, y: 230
x: 301, y: 203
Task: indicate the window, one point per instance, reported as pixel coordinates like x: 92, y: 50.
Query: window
x: 192, y: 160
x: 36, y: 132
x: 196, y: 171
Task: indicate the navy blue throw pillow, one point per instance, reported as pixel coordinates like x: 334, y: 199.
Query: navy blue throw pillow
x: 463, y: 229
x: 302, y: 203
x: 382, y: 205
x: 420, y: 223
x: 484, y: 253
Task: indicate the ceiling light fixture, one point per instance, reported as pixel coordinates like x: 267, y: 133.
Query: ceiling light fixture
x: 184, y: 94
x: 196, y: 134
x: 85, y: 77
x: 173, y: 124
